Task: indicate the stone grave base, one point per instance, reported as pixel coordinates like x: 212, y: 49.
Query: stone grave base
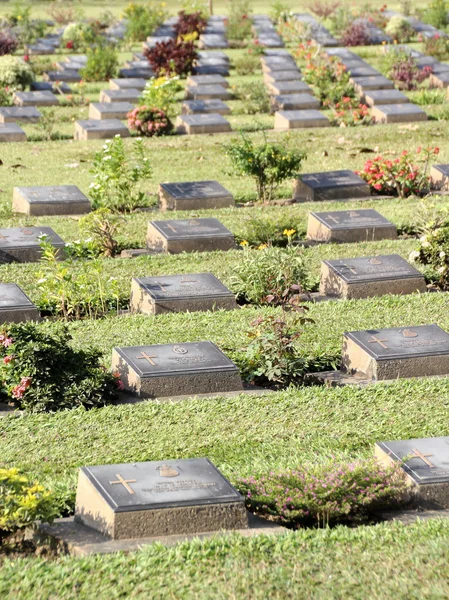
x: 340, y: 379
x: 401, y: 113
x: 298, y: 119
x: 10, y: 132
x: 439, y: 177
x: 21, y: 205
x: 318, y: 232
x: 18, y: 315
x: 112, y: 128
x: 157, y: 243
x: 109, y: 110
x: 185, y: 126
x: 70, y: 537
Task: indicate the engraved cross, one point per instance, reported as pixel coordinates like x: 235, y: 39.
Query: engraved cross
x: 423, y: 457
x: 330, y: 218
x: 124, y: 482
x: 375, y: 340
x: 148, y: 358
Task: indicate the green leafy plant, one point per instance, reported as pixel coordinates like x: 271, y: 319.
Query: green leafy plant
x: 399, y: 29
x: 269, y: 164
x: 279, y: 11
x: 247, y: 64
x: 433, y: 250
x: 239, y: 23
x: 119, y: 175
x: 6, y: 96
x: 436, y: 46
x: 102, y: 225
x: 78, y: 36
x: 23, y: 503
x: 324, y: 495
x: 327, y: 75
x: 102, y: 63
x: 41, y: 372
x: 254, y: 98
x: 161, y: 92
x: 47, y: 123
x: 436, y: 13
x: 15, y: 72
x: 73, y: 289
x: 272, y: 356
x: 269, y: 270
x: 143, y: 19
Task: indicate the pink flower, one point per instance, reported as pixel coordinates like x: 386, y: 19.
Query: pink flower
x: 8, y: 359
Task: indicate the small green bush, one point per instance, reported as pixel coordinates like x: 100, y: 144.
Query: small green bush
x: 43, y: 373
x: 260, y: 272
x: 22, y: 503
x: 433, y: 250
x: 102, y: 63
x: 118, y: 176
x: 269, y: 164
x: 436, y: 13
x: 254, y: 98
x: 78, y: 36
x: 143, y: 19
x: 102, y: 225
x: 239, y: 22
x: 247, y: 64
x: 399, y: 29
x: 15, y: 72
x: 324, y: 495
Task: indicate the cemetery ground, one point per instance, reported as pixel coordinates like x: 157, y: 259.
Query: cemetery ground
x: 308, y: 427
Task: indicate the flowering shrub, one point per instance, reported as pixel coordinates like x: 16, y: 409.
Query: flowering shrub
x: 328, y: 76
x: 14, y: 72
x: 256, y: 48
x: 436, y: 46
x: 6, y: 95
x: 8, y: 43
x: 254, y: 98
x: 171, y: 57
x: 143, y: 19
x: 349, y: 113
x: 239, y: 23
x: 102, y: 62
x: 41, y: 372
x: 292, y: 30
x: 23, y: 503
x: 324, y: 496
x: 188, y: 23
x: 161, y: 91
x: 433, y: 250
x: 78, y: 36
x: 149, y: 121
x: 356, y: 34
x: 268, y: 164
x: 407, y: 75
x: 399, y: 29
x: 118, y: 176
x: 400, y: 176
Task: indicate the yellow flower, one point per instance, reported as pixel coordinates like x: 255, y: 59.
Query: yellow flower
x: 19, y: 17
x: 244, y: 243
x: 289, y: 232
x: 263, y: 246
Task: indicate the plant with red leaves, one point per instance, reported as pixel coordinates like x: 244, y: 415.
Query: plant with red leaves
x: 190, y: 23
x: 171, y: 57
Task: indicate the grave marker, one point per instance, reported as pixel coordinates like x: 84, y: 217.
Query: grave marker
x: 126, y: 84
x: 50, y: 200
x: 283, y: 88
x: 160, y: 498
x: 171, y: 370
x: 192, y: 107
x: 381, y: 97
x: 180, y: 293
x: 362, y: 225
x: 207, y: 92
x: 26, y: 114
x: 189, y: 235
x: 206, y: 80
x: 21, y: 244
x: 44, y: 98
x: 15, y: 306
x: 110, y: 110
x: 194, y: 195
x: 299, y: 119
x: 439, y: 174
x: 202, y: 123
x: 123, y: 95
x: 367, y: 277
x: 94, y: 129
x: 398, y: 113
x: 400, y: 352
x: 330, y: 185
x: 10, y: 132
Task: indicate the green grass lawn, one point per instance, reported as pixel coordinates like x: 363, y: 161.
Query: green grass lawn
x: 297, y: 427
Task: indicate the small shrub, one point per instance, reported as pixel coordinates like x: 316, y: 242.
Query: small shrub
x: 355, y: 34
x: 14, y: 72
x: 102, y: 225
x: 427, y: 96
x: 172, y: 57
x: 256, y: 48
x: 190, y: 22
x: 239, y: 23
x: 399, y: 29
x: 272, y: 355
x: 78, y: 36
x: 247, y: 64
x: 323, y: 9
x: 279, y: 11
x: 6, y: 96
x: 149, y: 121
x: 267, y: 270
x: 23, y: 503
x: 328, y: 76
x: 47, y: 123
x: 407, y: 75
x: 400, y: 176
x: 436, y: 13
x: 62, y: 15
x: 324, y: 496
x: 8, y: 43
x: 41, y: 372
x: 436, y: 46
x: 118, y: 176
x: 254, y: 98
x: 269, y: 164
x: 143, y: 19
x: 161, y: 92
x: 433, y: 250
x: 102, y: 63
x: 349, y: 113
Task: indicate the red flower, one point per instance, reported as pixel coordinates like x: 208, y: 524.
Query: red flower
x: 8, y: 359
x: 69, y: 45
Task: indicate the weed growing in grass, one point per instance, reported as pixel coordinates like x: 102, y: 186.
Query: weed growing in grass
x: 102, y: 225
x: 254, y: 98
x: 239, y: 23
x: 247, y: 64
x: 102, y: 63
x: 427, y: 96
